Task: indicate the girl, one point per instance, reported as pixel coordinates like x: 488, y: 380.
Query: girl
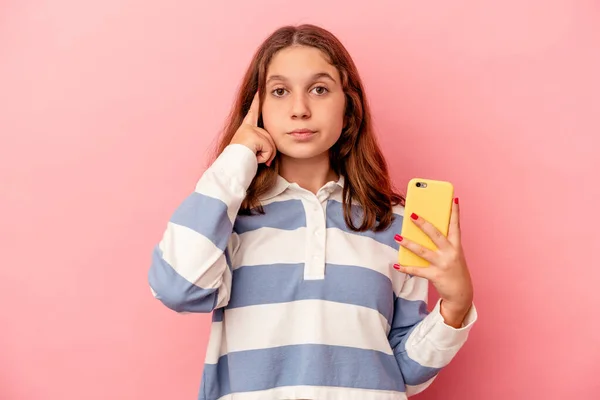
x: 290, y: 237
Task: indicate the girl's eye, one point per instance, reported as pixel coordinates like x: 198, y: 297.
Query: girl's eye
x: 320, y: 90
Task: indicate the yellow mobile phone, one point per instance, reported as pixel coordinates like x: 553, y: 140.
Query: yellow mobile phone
x: 431, y: 200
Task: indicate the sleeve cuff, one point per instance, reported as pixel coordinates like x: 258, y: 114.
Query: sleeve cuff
x: 238, y: 163
x: 444, y: 336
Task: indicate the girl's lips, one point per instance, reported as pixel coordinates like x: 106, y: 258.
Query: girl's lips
x: 302, y: 134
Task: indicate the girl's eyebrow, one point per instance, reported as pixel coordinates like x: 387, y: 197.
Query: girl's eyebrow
x: 319, y: 75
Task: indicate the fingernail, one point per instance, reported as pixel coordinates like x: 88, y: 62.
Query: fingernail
x: 456, y: 200
x: 398, y: 238
x: 414, y: 216
x: 396, y: 266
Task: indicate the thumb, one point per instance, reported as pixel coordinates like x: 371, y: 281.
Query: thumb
x: 263, y: 156
x: 267, y: 151
x: 264, y: 153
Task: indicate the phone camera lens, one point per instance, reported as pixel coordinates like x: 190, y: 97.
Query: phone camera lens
x: 418, y: 184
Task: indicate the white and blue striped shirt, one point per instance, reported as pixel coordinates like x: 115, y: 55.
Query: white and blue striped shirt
x: 303, y: 307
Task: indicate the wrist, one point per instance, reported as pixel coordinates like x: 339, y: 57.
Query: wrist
x: 454, y: 314
x: 236, y: 162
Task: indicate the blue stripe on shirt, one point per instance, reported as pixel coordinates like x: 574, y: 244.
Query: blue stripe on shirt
x: 413, y: 372
x: 174, y: 291
x: 299, y: 365
x: 286, y: 215
x: 207, y: 216
x: 335, y: 219
x: 218, y: 315
x: 282, y: 283
x: 407, y: 314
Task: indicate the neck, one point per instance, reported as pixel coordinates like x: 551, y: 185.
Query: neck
x: 311, y: 174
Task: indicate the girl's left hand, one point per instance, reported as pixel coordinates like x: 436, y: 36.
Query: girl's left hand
x: 447, y: 271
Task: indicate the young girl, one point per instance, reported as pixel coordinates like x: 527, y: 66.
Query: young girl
x: 290, y: 239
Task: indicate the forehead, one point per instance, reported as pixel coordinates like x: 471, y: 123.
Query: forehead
x: 300, y: 62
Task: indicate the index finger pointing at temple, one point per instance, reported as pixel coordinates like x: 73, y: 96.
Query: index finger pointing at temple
x: 252, y: 116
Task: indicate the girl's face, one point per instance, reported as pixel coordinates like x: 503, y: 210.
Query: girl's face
x: 304, y: 104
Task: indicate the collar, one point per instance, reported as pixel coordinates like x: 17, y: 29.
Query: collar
x: 281, y: 185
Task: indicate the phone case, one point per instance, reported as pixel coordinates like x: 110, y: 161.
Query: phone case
x: 433, y: 202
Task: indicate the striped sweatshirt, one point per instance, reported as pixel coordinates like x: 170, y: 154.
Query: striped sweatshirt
x: 302, y: 307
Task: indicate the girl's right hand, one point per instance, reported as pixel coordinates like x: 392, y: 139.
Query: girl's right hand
x: 256, y: 139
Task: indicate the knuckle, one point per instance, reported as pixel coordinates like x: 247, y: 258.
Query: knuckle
x: 448, y: 261
x: 454, y: 255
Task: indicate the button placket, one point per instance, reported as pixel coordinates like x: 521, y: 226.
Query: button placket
x: 314, y: 267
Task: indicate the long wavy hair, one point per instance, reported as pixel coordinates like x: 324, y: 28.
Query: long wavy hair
x: 356, y: 155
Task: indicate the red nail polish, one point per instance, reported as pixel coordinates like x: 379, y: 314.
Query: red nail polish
x: 456, y: 200
x: 398, y: 238
x: 396, y: 266
x: 414, y: 216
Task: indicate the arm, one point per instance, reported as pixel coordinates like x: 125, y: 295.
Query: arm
x: 191, y: 268
x: 422, y: 342
x: 426, y: 343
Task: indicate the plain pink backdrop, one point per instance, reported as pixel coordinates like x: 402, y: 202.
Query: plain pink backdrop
x: 108, y: 109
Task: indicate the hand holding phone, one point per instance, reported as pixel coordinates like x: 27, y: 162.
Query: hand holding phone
x: 433, y: 240
x: 431, y: 200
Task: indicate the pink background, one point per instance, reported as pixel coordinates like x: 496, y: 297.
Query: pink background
x: 107, y: 110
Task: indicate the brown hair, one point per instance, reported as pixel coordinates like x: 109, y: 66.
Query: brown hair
x: 356, y: 155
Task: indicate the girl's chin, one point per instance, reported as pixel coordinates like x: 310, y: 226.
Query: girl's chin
x: 304, y: 152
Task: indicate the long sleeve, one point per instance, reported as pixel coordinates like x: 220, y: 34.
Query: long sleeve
x: 423, y: 343
x: 191, y: 267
